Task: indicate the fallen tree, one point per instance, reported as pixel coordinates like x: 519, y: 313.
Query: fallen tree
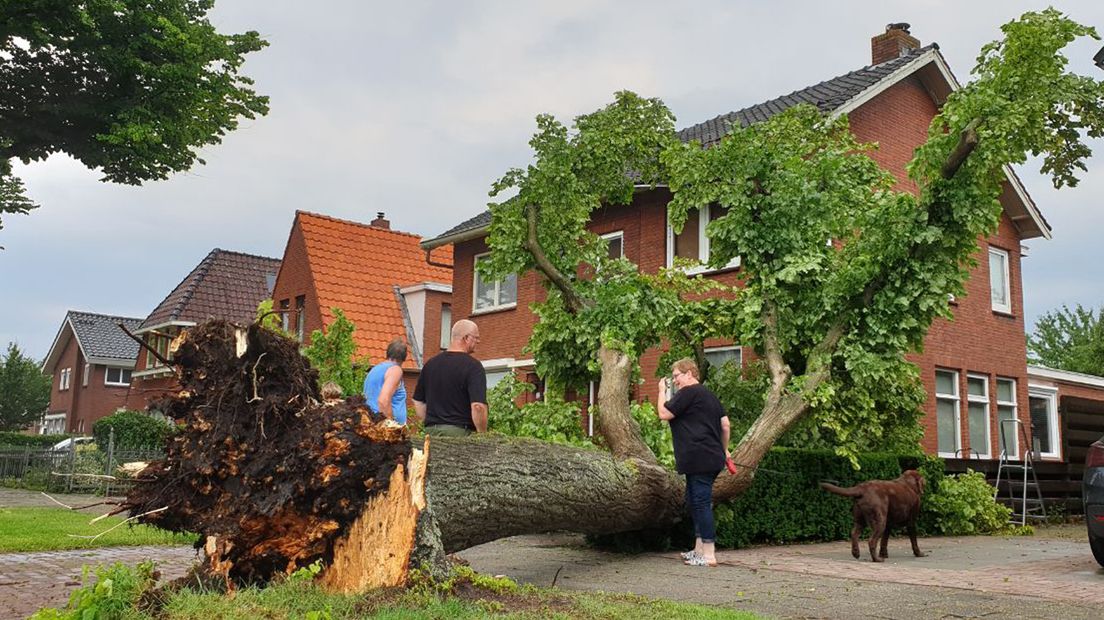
x: 275, y: 479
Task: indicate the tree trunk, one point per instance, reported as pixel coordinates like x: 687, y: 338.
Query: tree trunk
x: 615, y: 421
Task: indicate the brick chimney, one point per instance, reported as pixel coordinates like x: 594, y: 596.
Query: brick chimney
x: 379, y: 222
x: 895, y: 42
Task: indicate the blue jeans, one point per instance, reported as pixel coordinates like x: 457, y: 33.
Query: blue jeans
x: 699, y: 501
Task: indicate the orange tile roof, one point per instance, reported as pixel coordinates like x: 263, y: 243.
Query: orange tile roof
x: 356, y: 267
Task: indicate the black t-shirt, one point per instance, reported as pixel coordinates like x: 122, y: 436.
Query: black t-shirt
x: 448, y: 384
x: 696, y: 430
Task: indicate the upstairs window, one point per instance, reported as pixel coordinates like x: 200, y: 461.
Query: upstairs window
x: 1000, y: 289
x: 490, y: 295
x: 84, y: 376
x: 63, y: 378
x: 692, y: 243
x: 116, y: 376
x: 160, y: 343
x: 615, y: 244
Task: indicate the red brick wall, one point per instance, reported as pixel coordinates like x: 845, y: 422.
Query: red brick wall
x: 63, y: 400
x: 431, y: 333
x: 294, y: 280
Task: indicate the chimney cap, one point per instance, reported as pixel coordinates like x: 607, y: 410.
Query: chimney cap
x: 899, y: 26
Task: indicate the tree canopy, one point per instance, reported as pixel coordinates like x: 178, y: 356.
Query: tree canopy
x: 1069, y: 339
x: 133, y: 89
x: 24, y: 390
x: 832, y: 321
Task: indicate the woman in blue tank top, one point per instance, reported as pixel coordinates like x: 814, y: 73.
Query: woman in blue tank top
x: 383, y: 387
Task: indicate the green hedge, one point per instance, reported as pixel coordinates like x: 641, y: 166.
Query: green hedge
x: 9, y: 438
x: 785, y: 504
x: 133, y: 429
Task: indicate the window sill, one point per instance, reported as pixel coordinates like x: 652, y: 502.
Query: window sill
x: 1003, y: 314
x: 493, y: 310
x: 707, y: 271
x: 116, y: 385
x: 156, y: 371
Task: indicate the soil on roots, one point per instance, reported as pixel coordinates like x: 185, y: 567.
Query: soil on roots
x: 259, y: 462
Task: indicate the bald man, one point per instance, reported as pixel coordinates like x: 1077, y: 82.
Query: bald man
x: 451, y: 395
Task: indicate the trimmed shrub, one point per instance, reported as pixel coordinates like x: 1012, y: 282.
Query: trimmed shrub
x: 132, y: 429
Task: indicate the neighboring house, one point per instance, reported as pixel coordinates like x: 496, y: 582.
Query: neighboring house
x: 224, y: 285
x: 382, y: 280
x: 91, y: 361
x: 974, y: 367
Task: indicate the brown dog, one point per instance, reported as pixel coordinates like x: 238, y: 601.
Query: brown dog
x: 882, y: 504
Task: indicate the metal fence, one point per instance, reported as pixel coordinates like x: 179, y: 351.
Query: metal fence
x: 88, y: 468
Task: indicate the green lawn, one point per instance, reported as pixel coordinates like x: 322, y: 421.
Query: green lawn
x: 464, y: 595
x: 51, y: 529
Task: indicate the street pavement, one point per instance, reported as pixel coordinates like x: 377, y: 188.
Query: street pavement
x: 967, y: 577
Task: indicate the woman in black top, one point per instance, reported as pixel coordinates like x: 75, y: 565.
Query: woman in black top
x: 699, y: 431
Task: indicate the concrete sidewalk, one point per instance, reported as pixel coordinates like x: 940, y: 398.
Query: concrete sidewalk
x: 970, y: 577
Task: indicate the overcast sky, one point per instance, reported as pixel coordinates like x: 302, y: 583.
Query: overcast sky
x: 414, y: 108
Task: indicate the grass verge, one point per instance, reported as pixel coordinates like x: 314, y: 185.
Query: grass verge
x: 53, y: 529
x: 465, y: 595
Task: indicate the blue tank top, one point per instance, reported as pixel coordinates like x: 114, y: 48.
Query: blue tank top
x: 373, y: 385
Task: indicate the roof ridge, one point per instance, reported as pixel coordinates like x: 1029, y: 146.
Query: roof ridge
x: 331, y: 218
x: 237, y: 253
x: 101, y: 315
x: 728, y: 116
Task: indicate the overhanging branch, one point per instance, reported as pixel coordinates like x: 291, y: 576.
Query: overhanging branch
x: 571, y: 299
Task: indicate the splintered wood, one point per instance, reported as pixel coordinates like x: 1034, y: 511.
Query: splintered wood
x: 376, y: 551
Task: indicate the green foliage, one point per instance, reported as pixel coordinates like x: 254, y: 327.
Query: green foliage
x: 11, y: 438
x: 964, y: 505
x: 269, y: 319
x: 551, y: 419
x: 843, y: 315
x: 133, y: 89
x: 332, y: 354
x: 573, y: 174
x: 24, y: 390
x: 655, y: 432
x: 133, y: 429
x: 114, y: 594
x: 1069, y: 340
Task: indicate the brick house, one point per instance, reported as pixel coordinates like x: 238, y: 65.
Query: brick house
x: 91, y: 361
x: 385, y: 284
x: 224, y: 285
x: 974, y: 368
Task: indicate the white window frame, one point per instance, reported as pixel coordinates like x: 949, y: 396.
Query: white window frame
x: 982, y: 399
x: 617, y: 234
x: 120, y: 383
x: 704, y: 246
x: 84, y: 376
x: 63, y: 380
x: 1050, y: 394
x: 734, y: 347
x: 300, y: 317
x: 53, y: 424
x: 957, y: 400
x: 497, y: 290
x: 999, y: 306
x: 1015, y: 416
